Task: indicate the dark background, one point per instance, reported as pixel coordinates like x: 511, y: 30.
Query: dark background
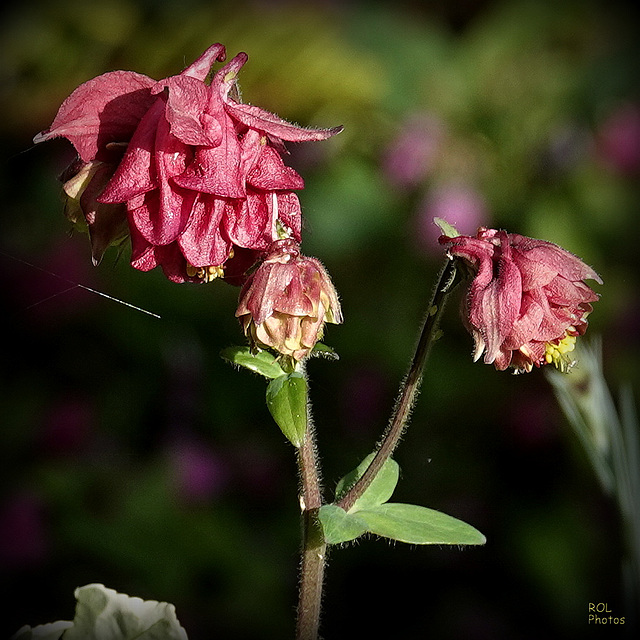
x: 132, y: 455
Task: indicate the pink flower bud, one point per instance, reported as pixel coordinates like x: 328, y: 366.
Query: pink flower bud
x: 286, y: 301
x: 527, y: 301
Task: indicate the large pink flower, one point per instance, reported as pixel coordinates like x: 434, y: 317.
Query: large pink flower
x: 202, y: 175
x: 527, y: 301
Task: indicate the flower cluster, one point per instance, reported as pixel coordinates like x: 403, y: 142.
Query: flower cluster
x: 527, y: 301
x: 195, y: 177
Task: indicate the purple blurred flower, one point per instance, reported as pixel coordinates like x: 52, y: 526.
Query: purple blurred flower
x: 459, y: 204
x: 365, y: 395
x: 411, y: 155
x: 567, y: 146
x: 67, y: 427
x: 199, y: 474
x: 22, y: 532
x: 618, y: 140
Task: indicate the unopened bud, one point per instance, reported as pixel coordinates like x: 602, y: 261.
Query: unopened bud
x: 287, y: 300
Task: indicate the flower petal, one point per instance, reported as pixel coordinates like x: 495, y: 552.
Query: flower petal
x: 136, y: 174
x: 202, y: 242
x: 257, y: 118
x: 187, y: 101
x: 102, y: 110
x: 494, y: 307
x: 270, y: 173
x: 201, y: 67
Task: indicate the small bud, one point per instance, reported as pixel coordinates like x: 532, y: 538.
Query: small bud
x: 286, y: 301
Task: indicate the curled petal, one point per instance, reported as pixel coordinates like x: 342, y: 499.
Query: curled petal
x: 554, y: 258
x: 257, y: 118
x: 494, y: 308
x: 201, y: 67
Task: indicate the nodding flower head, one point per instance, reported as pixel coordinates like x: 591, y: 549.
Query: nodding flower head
x: 286, y: 301
x: 526, y: 301
x: 197, y: 173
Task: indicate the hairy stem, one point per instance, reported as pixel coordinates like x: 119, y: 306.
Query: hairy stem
x: 313, y: 544
x: 408, y: 388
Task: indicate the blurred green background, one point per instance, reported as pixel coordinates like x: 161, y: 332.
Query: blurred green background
x: 132, y: 455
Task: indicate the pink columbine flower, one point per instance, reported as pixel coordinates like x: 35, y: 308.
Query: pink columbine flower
x: 200, y: 174
x: 286, y: 301
x: 527, y: 301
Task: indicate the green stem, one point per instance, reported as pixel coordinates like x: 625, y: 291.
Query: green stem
x: 313, y: 544
x: 408, y: 388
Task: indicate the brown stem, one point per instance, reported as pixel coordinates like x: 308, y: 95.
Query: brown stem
x: 408, y: 389
x: 313, y: 544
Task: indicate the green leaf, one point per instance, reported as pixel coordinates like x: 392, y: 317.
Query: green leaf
x: 104, y: 614
x: 287, y: 402
x: 418, y: 525
x: 446, y: 228
x: 380, y: 489
x: 261, y: 362
x: 321, y: 349
x: 338, y: 525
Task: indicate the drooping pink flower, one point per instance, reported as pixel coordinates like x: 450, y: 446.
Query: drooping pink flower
x: 527, y: 301
x: 286, y: 301
x: 201, y: 174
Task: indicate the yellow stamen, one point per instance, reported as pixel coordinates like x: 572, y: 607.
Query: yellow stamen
x: 206, y: 274
x: 557, y: 352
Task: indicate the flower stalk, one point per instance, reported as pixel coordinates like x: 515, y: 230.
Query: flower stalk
x: 313, y: 544
x: 409, y: 387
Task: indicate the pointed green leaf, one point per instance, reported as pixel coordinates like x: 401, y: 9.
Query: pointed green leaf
x: 380, y: 489
x: 321, y: 349
x: 418, y: 525
x: 287, y: 402
x: 446, y: 228
x: 104, y: 614
x: 338, y: 525
x: 261, y: 362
